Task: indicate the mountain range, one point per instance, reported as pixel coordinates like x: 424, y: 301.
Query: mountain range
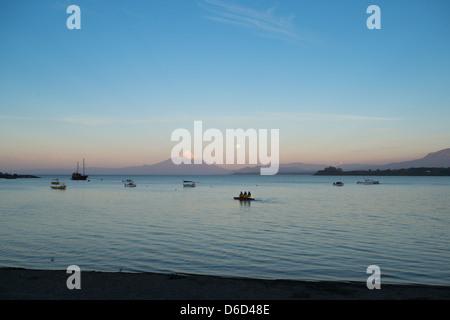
x: 440, y: 159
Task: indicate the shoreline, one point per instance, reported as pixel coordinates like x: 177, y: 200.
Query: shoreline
x: 28, y: 284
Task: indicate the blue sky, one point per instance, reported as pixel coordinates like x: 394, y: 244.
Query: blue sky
x: 114, y: 91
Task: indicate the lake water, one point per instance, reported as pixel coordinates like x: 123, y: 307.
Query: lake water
x: 300, y: 227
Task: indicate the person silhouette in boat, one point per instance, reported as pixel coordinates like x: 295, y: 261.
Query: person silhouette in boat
x: 249, y: 194
x: 241, y: 194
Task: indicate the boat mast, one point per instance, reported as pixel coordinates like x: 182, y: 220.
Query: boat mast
x: 83, y: 167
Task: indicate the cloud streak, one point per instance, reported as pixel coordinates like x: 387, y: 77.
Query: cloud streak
x: 340, y: 117
x: 298, y: 116
x: 265, y: 21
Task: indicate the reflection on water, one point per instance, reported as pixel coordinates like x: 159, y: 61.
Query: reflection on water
x: 299, y: 227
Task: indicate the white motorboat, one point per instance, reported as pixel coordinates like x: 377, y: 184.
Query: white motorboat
x: 368, y: 181
x: 189, y: 184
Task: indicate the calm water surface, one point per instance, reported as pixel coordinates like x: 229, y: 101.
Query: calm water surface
x: 300, y: 227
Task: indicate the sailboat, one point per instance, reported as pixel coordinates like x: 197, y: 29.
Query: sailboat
x: 77, y: 175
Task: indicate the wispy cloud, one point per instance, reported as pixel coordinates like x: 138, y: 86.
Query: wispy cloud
x: 339, y: 117
x: 297, y: 116
x: 266, y: 22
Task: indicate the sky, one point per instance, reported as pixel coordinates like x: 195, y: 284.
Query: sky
x: 115, y: 90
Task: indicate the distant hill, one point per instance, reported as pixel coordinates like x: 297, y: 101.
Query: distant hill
x: 162, y: 168
x: 332, y: 171
x: 166, y: 167
x: 439, y: 159
x: 16, y: 176
x: 285, y: 169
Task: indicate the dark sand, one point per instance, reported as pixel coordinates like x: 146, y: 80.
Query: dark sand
x: 21, y: 284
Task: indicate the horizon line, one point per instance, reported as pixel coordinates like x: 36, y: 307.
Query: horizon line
x: 242, y: 166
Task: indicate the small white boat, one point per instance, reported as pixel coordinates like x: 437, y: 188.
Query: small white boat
x: 190, y: 184
x: 129, y: 183
x: 368, y: 181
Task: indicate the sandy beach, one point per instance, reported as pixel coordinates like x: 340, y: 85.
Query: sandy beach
x: 22, y: 284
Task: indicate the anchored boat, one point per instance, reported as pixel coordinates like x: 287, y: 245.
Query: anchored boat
x: 59, y: 187
x: 79, y: 176
x: 129, y: 183
x: 56, y: 186
x: 189, y: 184
x: 368, y: 181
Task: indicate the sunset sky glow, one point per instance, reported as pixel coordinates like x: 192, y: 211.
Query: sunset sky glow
x: 114, y: 91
